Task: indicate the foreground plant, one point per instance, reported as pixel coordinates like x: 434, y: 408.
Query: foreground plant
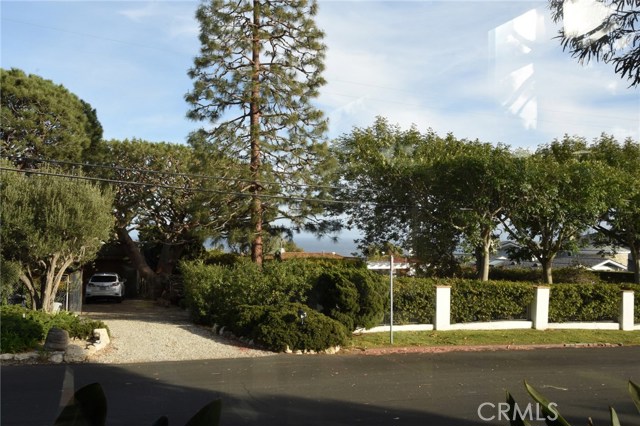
x: 551, y: 414
x: 88, y: 407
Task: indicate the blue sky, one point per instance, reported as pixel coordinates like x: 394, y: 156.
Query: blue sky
x: 485, y: 70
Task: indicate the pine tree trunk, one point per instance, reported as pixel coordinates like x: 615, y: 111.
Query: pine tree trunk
x: 255, y: 165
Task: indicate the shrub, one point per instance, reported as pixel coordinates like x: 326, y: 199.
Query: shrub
x: 213, y: 292
x: 277, y: 327
x: 24, y: 329
x: 487, y: 301
x: 516, y: 274
x: 354, y: 297
x: 414, y: 300
x: 575, y: 302
x: 575, y: 276
x: 18, y: 334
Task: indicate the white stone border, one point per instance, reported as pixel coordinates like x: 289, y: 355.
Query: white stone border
x: 77, y: 351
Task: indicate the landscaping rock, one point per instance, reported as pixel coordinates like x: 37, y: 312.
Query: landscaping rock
x: 57, y: 340
x: 75, y: 353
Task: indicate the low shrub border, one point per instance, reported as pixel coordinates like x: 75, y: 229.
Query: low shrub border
x: 23, y: 329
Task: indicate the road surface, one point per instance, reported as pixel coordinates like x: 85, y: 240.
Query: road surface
x: 442, y: 389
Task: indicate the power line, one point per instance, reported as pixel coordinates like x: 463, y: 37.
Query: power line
x: 159, y: 172
x: 178, y: 188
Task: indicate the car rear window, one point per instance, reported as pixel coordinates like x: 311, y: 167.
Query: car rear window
x: 104, y: 279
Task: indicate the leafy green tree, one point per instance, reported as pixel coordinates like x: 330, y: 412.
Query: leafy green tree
x: 40, y: 119
x: 423, y: 192
x: 259, y: 67
x: 49, y: 225
x: 553, y: 199
x: 172, y: 198
x: 614, y: 39
x: 621, y: 224
x: 384, y: 183
x: 470, y: 190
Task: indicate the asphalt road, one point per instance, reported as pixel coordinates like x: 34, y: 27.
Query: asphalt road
x: 402, y: 389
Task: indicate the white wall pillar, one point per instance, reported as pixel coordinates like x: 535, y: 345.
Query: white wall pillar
x: 442, y: 321
x: 540, y: 308
x: 626, y: 320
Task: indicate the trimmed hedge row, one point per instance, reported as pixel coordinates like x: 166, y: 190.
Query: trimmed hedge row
x: 587, y: 303
x: 262, y: 304
x: 258, y: 303
x: 471, y: 300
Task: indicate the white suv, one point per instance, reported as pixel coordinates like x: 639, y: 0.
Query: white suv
x: 105, y: 284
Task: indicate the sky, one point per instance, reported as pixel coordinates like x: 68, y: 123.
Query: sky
x: 487, y: 70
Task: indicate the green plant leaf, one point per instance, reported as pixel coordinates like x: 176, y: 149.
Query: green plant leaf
x: 513, y: 419
x: 88, y: 407
x: 614, y: 417
x: 553, y: 417
x: 634, y: 390
x: 209, y: 415
x: 162, y: 421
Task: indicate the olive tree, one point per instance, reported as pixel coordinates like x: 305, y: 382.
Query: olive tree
x: 50, y: 224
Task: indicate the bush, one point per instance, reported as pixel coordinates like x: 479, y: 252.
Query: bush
x: 414, y: 300
x: 279, y: 327
x: 575, y: 276
x: 213, y: 292
x: 24, y: 329
x: 486, y: 301
x: 584, y: 303
x: 354, y: 297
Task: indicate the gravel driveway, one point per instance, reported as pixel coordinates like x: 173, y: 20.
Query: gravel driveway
x: 143, y: 331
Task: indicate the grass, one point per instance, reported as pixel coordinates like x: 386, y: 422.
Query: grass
x: 496, y: 337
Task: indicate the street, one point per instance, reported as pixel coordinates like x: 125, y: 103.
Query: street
x: 455, y: 388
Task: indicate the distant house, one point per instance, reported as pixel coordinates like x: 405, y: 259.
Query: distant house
x: 588, y: 257
x: 403, y: 266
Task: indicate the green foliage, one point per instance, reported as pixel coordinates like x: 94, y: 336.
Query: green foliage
x: 258, y: 302
x: 24, y: 329
x: 553, y: 199
x: 575, y: 276
x: 278, y: 327
x: 263, y: 113
x: 516, y: 275
x: 40, y: 119
x: 9, y: 278
x: 354, y: 297
x: 584, y: 303
x: 88, y: 406
x: 213, y: 292
x: 487, y: 301
x: 414, y: 300
x: 550, y: 410
x: 50, y: 224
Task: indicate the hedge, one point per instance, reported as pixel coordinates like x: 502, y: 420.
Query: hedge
x: 487, y: 301
x: 414, y: 300
x: 588, y: 303
x: 254, y: 302
x: 280, y: 327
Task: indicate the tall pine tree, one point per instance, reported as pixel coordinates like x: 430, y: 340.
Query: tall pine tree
x: 259, y: 68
